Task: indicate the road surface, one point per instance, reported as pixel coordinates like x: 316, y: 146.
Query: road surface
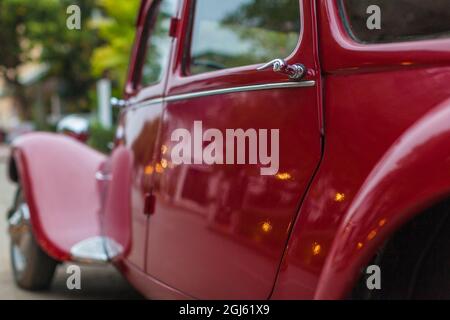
x: 96, y: 282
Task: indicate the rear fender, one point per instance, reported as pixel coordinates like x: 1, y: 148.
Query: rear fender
x: 412, y: 176
x: 57, y: 175
x: 117, y: 205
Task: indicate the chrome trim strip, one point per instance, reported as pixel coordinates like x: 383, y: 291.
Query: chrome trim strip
x: 282, y: 85
x: 154, y: 101
x: 146, y: 103
x: 198, y: 94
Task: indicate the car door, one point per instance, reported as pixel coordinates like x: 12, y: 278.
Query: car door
x: 226, y: 198
x: 132, y: 160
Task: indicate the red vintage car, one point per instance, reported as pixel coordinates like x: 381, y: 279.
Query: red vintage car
x: 350, y: 98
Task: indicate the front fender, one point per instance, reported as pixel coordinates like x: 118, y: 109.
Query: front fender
x: 57, y: 175
x: 413, y: 175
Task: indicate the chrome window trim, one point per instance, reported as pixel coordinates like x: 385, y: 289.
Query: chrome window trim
x: 134, y: 105
x: 207, y: 93
x: 259, y: 87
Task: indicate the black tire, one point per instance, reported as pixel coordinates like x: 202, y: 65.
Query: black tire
x: 415, y: 262
x: 32, y: 268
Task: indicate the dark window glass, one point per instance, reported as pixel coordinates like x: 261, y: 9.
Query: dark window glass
x: 232, y: 33
x: 401, y: 20
x: 158, y: 45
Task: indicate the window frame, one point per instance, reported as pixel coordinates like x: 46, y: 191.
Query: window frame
x: 147, y: 30
x: 341, y: 54
x: 345, y: 20
x: 135, y: 90
x: 186, y: 54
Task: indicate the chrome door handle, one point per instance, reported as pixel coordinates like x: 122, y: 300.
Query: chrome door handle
x: 294, y: 71
x: 118, y: 103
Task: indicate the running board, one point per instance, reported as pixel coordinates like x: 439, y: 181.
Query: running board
x: 95, y: 250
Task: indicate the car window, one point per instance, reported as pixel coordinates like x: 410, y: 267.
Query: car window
x: 234, y: 33
x: 157, y: 51
x: 399, y: 20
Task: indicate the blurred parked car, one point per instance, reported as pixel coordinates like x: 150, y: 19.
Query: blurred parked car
x: 19, y: 130
x: 75, y: 126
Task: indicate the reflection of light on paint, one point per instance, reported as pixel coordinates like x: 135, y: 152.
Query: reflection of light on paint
x: 283, y: 176
x: 316, y: 248
x: 382, y: 222
x: 371, y: 234
x: 159, y: 168
x: 164, y: 149
x: 339, y: 197
x: 149, y: 169
x: 407, y: 63
x: 266, y: 227
x: 164, y: 163
x: 359, y: 245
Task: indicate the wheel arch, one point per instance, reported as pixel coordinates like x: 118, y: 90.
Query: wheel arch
x: 412, y: 176
x: 57, y: 175
x: 426, y: 233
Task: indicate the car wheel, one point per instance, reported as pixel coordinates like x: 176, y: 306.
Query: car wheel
x: 414, y: 262
x: 33, y: 269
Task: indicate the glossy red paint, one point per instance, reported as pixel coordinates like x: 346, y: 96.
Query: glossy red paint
x: 147, y: 285
x: 57, y: 174
x: 372, y: 97
x: 365, y: 150
x: 207, y: 236
x: 116, y: 211
x: 134, y: 155
x: 417, y: 166
x: 340, y: 53
x: 133, y: 160
x: 82, y: 137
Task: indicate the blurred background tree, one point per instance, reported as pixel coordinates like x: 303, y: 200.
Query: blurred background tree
x: 117, y: 32
x: 34, y: 33
x: 45, y: 66
x: 116, y: 29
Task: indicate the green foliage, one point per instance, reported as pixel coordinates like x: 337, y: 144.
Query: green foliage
x: 279, y: 16
x: 100, y: 137
x: 67, y: 51
x: 117, y: 32
x: 36, y: 31
x: 270, y: 27
x: 266, y: 29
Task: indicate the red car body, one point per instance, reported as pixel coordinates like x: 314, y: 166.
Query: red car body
x: 363, y: 150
